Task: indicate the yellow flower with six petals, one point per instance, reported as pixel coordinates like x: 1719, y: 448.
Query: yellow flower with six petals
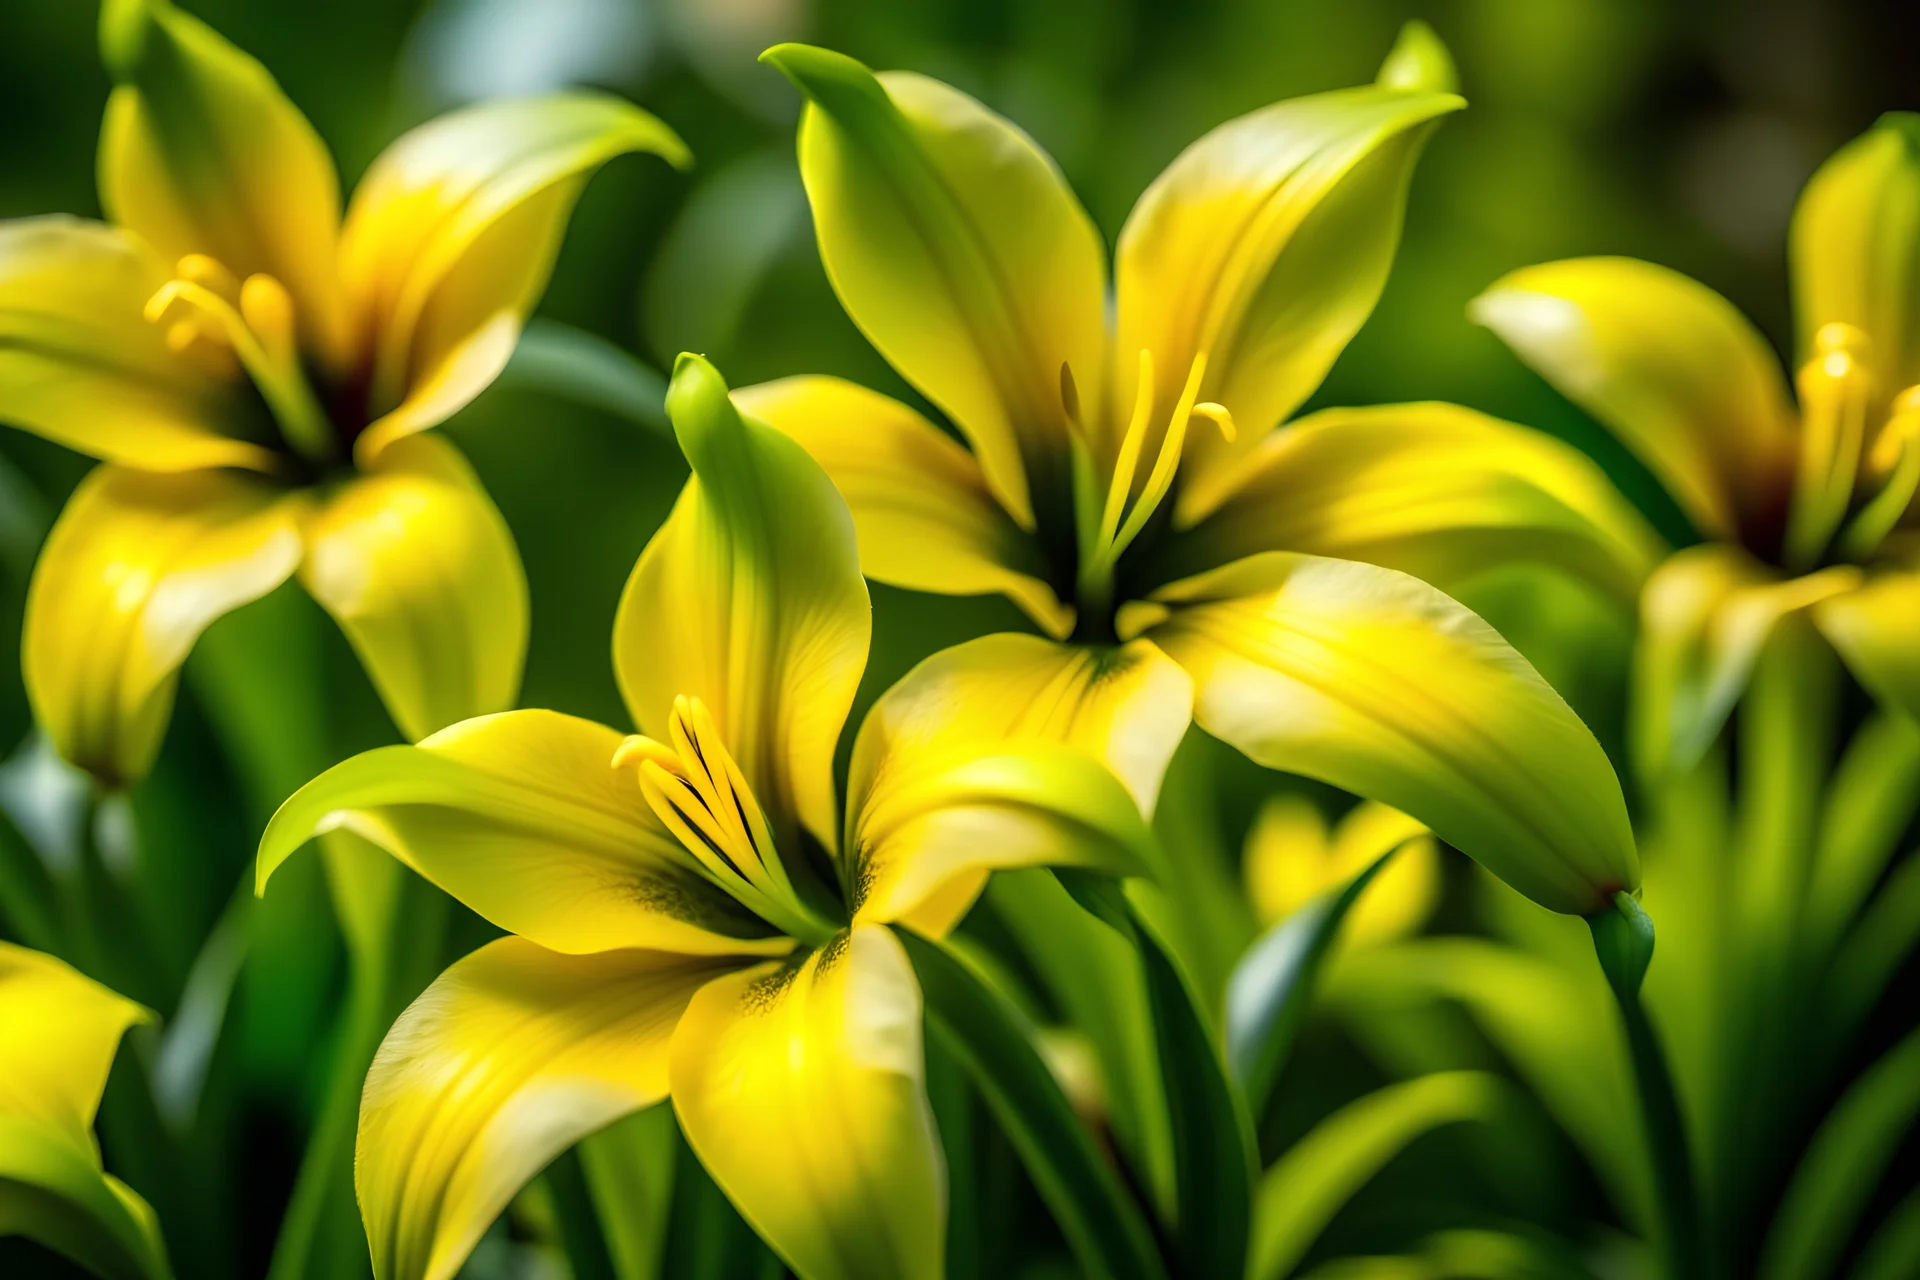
x: 255, y: 372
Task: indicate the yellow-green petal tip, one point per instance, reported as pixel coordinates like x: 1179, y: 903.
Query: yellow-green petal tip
x: 1419, y: 61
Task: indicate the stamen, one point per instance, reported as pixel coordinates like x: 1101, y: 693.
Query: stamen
x: 1168, y: 463
x: 1835, y: 390
x: 1124, y: 465
x: 1895, y: 462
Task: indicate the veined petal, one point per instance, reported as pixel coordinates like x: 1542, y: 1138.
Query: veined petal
x: 1704, y: 617
x: 80, y: 364
x: 59, y: 1031
x: 523, y: 817
x: 1855, y: 248
x: 957, y: 247
x: 137, y: 566
x: 415, y: 563
x: 1877, y: 630
x: 1373, y: 681
x: 202, y: 153
x: 1666, y: 364
x: 1263, y: 247
x: 1433, y: 490
x: 925, y: 517
x: 452, y: 235
x: 749, y: 598
x: 802, y: 1089
x: 511, y: 1056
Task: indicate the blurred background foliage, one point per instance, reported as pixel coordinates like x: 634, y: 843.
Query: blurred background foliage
x: 1677, y: 132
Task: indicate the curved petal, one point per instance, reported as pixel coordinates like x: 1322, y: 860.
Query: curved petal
x: 523, y: 817
x: 1433, y: 490
x: 1877, y: 630
x: 1375, y: 682
x: 414, y: 562
x: 202, y: 153
x: 511, y: 1056
x: 957, y: 247
x: 1291, y: 859
x: 137, y: 566
x: 59, y: 1031
x: 451, y: 237
x: 1855, y: 248
x: 1666, y: 364
x: 749, y: 598
x: 1704, y: 617
x: 925, y: 518
x: 1262, y: 248
x: 802, y: 1089
x: 80, y: 364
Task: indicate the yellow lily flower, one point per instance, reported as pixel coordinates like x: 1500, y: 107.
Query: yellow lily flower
x: 1126, y: 487
x: 59, y: 1031
x: 1292, y: 857
x: 1807, y: 509
x: 255, y: 371
x: 692, y: 917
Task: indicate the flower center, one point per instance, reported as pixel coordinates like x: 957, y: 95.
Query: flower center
x: 1850, y: 489
x: 1121, y: 513
x: 697, y: 790
x: 218, y: 321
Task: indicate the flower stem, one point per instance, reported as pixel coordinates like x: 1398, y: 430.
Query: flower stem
x: 1623, y: 941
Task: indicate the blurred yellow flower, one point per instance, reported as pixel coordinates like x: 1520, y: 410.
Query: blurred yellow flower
x: 1293, y: 857
x: 254, y: 371
x: 1125, y: 484
x: 692, y: 917
x: 1806, y: 508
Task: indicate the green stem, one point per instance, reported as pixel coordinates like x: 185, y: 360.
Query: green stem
x: 1623, y: 941
x: 578, y: 1221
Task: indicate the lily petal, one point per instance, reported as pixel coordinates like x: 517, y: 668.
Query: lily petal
x: 1263, y: 247
x: 1433, y: 490
x: 452, y: 235
x: 137, y: 566
x: 511, y: 1056
x: 1377, y: 683
x: 749, y: 598
x: 1875, y: 630
x: 925, y: 517
x: 1666, y: 364
x: 957, y: 247
x: 802, y: 1088
x: 1704, y: 617
x: 80, y: 365
x: 523, y: 817
x: 1291, y: 858
x: 415, y: 563
x: 202, y: 153
x: 59, y: 1031
x: 1855, y: 248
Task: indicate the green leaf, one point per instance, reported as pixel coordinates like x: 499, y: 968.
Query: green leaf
x: 1303, y: 1190
x: 574, y: 365
x: 1871, y: 955
x: 578, y: 1219
x: 1103, y: 1226
x: 629, y: 1169
x: 1267, y: 996
x: 1836, y: 1178
x: 50, y: 1192
x: 1869, y: 803
x: 1894, y: 1251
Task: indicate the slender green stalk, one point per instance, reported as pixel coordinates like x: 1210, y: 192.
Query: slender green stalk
x: 581, y: 1237
x: 1623, y: 941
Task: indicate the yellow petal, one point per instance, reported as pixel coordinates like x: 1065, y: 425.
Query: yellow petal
x: 59, y: 1031
x: 1855, y: 248
x: 1377, y: 683
x: 523, y: 817
x: 452, y: 235
x: 137, y: 566
x: 1291, y: 859
x: 1433, y: 490
x: 1263, y: 247
x: 511, y: 1056
x: 80, y: 365
x: 1667, y: 365
x: 750, y: 599
x: 1877, y: 630
x: 413, y: 560
x: 802, y: 1090
x: 1704, y: 617
x: 957, y: 247
x: 925, y: 518
x: 202, y: 153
